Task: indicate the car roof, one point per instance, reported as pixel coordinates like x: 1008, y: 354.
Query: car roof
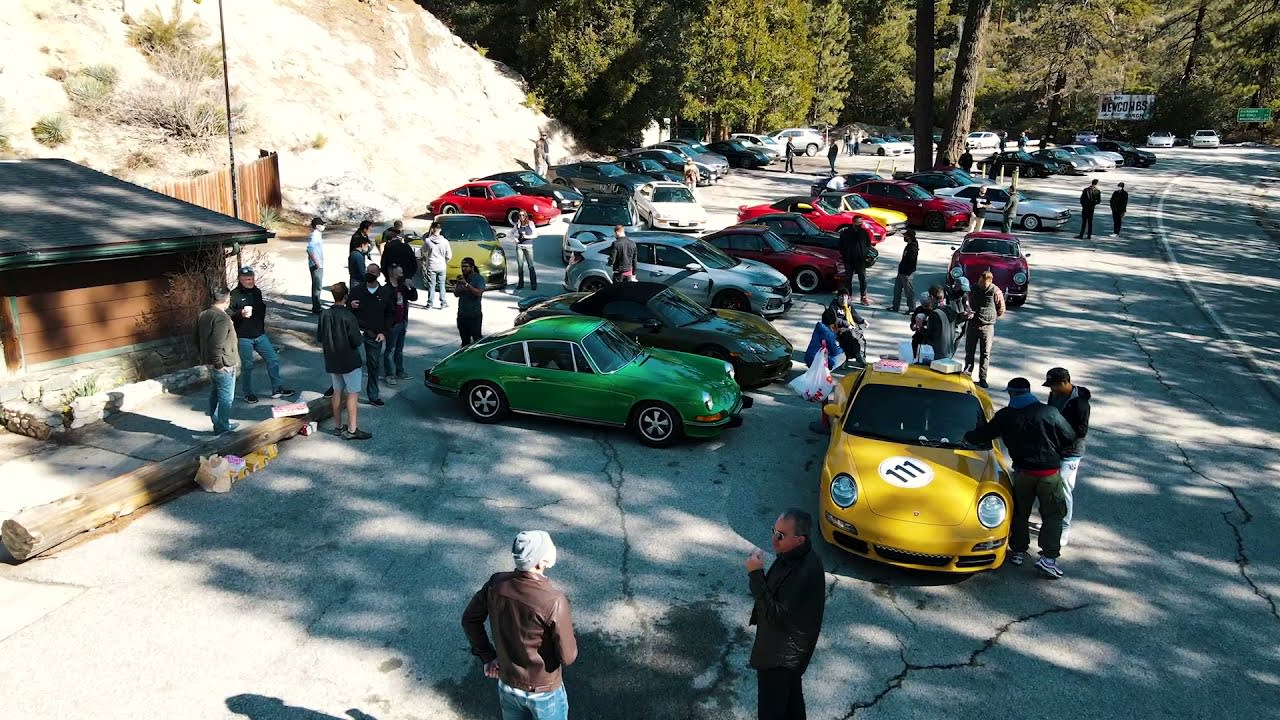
x: 559, y: 327
x: 454, y: 217
x: 746, y: 228
x: 921, y: 376
x: 669, y: 238
x: 483, y: 183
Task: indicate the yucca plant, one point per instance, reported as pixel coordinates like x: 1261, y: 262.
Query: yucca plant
x: 52, y: 130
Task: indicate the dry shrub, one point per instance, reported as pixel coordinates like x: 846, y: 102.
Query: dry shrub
x: 187, y: 112
x: 52, y: 130
x: 56, y: 73
x: 153, y: 33
x: 140, y: 159
x: 91, y: 89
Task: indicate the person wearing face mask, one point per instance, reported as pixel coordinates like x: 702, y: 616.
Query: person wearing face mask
x: 622, y: 256
x: 532, y: 628
x: 402, y: 293
x: 374, y: 308
x: 315, y: 262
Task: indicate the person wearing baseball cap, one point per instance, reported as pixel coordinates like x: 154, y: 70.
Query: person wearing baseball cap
x: 249, y: 315
x: 1038, y: 438
x: 374, y: 308
x: 532, y: 629
x: 1073, y: 402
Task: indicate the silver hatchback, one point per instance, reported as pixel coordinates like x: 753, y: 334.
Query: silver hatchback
x: 696, y: 268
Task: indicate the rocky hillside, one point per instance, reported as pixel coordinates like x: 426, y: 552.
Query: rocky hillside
x: 375, y: 98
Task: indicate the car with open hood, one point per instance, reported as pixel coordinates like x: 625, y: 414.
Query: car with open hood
x: 900, y: 485
x: 660, y: 316
x: 919, y: 205
x: 527, y: 182
x: 586, y: 369
x: 1030, y: 214
x: 999, y: 252
x: 697, y: 269
x: 670, y: 206
x: 496, y: 201
x: 810, y: 269
x: 472, y: 236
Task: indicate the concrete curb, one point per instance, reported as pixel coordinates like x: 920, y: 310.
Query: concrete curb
x: 1238, y: 347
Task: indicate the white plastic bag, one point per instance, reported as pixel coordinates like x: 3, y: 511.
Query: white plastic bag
x: 816, y: 384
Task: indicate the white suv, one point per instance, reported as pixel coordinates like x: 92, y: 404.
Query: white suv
x: 1205, y: 139
x: 982, y: 141
x: 806, y: 140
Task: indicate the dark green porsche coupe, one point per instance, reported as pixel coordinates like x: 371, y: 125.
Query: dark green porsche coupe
x: 659, y: 316
x: 584, y: 368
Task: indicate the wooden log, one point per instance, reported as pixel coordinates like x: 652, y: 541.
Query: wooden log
x: 36, y: 529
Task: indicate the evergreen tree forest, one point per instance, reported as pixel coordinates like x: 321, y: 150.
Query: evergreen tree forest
x: 608, y: 68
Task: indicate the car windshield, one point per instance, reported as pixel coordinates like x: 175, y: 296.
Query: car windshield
x: 1023, y: 156
x: 677, y: 309
x: 961, y: 176
x: 465, y: 229
x: 828, y: 203
x: 736, y: 145
x: 993, y: 246
x: 697, y: 147
x: 710, y: 256
x: 808, y: 226
x: 650, y: 165
x: 602, y: 214
x: 532, y: 179
x: 854, y: 201
x: 665, y: 194
x: 610, y: 170
x: 668, y: 156
x: 916, y: 192
x: 776, y: 243
x: 1124, y: 146
x: 914, y: 416
x: 501, y: 190
x: 609, y: 348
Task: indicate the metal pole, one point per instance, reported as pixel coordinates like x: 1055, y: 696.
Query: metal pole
x: 226, y: 89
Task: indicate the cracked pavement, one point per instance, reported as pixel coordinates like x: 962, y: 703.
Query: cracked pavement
x: 334, y: 579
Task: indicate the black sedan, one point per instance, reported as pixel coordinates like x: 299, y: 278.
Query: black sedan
x: 1028, y: 166
x: 1133, y: 157
x: 850, y: 179
x: 651, y: 168
x: 668, y: 160
x: 527, y: 182
x: 739, y: 155
x: 1061, y: 160
x: 660, y: 316
x: 797, y: 229
x: 601, y: 177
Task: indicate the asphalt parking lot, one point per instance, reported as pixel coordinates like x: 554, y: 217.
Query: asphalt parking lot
x: 331, y: 584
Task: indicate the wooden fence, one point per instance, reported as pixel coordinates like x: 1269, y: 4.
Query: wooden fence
x: 258, y: 187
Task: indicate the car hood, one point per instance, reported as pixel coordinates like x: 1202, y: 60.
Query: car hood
x: 945, y: 485
x: 683, y: 370
x: 813, y: 253
x: 548, y: 306
x: 987, y: 260
x: 1038, y: 207
x: 885, y: 217
x: 606, y: 230
x: 683, y: 210
x: 758, y: 273
x: 952, y: 204
x: 743, y: 326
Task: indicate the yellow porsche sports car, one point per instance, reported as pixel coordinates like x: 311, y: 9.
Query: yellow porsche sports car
x: 900, y: 484
x: 839, y: 201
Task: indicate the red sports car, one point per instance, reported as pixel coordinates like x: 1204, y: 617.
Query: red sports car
x: 496, y: 201
x: 999, y: 252
x: 826, y: 218
x: 920, y: 207
x: 809, y: 268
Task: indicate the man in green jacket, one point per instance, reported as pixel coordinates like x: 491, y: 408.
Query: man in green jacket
x: 220, y: 352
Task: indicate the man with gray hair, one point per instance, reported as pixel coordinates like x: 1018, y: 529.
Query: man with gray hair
x: 789, y: 602
x: 532, y: 627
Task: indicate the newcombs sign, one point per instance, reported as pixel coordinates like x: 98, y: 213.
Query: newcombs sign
x: 1126, y: 107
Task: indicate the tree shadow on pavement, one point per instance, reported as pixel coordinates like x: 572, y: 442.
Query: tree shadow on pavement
x: 261, y: 707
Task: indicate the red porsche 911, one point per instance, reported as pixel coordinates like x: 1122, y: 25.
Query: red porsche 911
x: 999, y: 252
x: 496, y: 201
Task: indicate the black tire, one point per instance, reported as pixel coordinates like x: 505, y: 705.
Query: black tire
x: 560, y: 181
x: 935, y: 222
x: 591, y: 284
x: 656, y: 424
x: 880, y: 152
x: 449, y: 210
x: 513, y: 216
x: 806, y: 280
x: 731, y: 300
x: 485, y: 402
x: 811, y: 149
x: 1030, y: 222
x: 1017, y: 302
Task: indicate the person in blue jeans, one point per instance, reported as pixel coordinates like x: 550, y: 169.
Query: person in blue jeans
x: 532, y: 628
x: 216, y: 345
x: 402, y: 293
x: 248, y: 311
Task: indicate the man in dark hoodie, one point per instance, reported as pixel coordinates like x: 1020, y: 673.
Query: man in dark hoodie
x: 402, y: 293
x: 855, y: 249
x: 398, y: 253
x: 1038, y: 438
x: 248, y: 313
x: 1073, y: 402
x: 903, y: 285
x: 789, y: 602
x: 374, y: 308
x: 341, y: 341
x: 1119, y: 206
x: 1089, y: 199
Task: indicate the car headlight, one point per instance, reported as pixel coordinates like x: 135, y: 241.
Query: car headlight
x: 844, y: 491
x: 1019, y: 278
x: 766, y: 289
x: 537, y: 208
x: 497, y: 259
x: 659, y: 216
x: 728, y: 368
x: 706, y: 399
x: 992, y: 510
x: 957, y: 272
x: 557, y: 194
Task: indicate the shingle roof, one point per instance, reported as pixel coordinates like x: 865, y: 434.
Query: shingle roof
x: 54, y: 210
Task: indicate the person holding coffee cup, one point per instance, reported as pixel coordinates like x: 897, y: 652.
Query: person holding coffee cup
x: 248, y: 313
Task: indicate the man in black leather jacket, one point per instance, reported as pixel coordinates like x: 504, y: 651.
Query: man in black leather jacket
x: 789, y: 602
x: 1038, y: 438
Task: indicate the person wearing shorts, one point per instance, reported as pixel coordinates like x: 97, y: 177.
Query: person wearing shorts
x: 341, y: 340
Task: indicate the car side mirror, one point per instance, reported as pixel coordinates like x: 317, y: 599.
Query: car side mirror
x: 652, y: 324
x: 953, y: 247
x: 831, y: 410
x: 501, y: 235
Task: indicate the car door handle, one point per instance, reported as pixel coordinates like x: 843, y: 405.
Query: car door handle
x: 532, y: 379
x: 656, y: 272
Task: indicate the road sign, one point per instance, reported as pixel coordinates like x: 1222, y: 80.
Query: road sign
x: 1125, y: 107
x: 1257, y: 115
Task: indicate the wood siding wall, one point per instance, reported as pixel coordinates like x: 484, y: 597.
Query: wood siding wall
x: 78, y: 309
x: 259, y: 187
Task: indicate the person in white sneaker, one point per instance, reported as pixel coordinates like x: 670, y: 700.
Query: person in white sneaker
x: 1073, y: 402
x: 1038, y: 438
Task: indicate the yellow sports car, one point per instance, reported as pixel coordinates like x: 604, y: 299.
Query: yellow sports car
x: 900, y: 484
x: 840, y: 201
x: 472, y: 236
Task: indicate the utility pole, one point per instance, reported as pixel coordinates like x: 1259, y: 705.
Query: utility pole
x: 231, y: 145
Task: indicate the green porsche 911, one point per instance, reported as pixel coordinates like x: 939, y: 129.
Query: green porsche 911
x: 584, y: 368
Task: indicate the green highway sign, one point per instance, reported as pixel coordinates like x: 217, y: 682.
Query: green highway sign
x: 1253, y: 115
